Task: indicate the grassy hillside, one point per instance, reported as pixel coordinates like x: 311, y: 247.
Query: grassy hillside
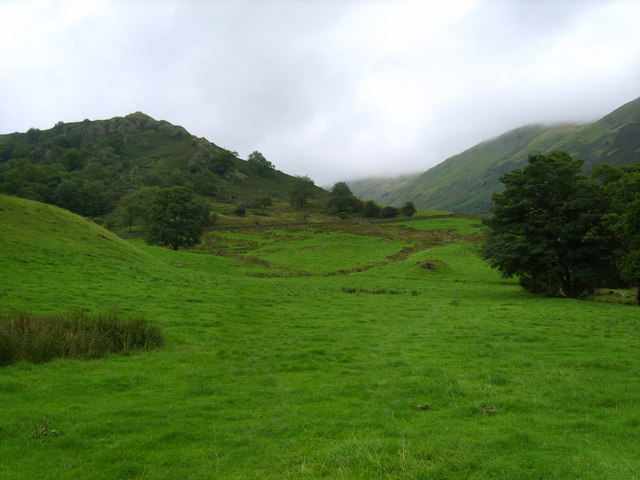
x: 379, y: 189
x: 59, y: 259
x: 313, y: 353
x: 87, y: 166
x: 465, y: 182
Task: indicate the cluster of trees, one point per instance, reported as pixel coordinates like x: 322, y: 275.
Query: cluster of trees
x: 89, y: 167
x: 67, y: 167
x: 64, y: 166
x: 373, y: 210
x: 58, y: 182
x: 562, y: 233
x: 343, y: 202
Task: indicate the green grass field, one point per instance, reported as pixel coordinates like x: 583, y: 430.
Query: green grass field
x: 307, y: 353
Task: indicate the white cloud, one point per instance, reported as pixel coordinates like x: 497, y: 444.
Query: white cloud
x: 330, y: 89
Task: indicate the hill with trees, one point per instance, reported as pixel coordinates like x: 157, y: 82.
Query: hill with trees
x: 88, y: 167
x: 465, y: 182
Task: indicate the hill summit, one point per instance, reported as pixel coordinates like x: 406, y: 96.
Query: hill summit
x: 87, y: 166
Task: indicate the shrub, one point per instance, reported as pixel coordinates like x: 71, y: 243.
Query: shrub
x: 371, y: 209
x: 408, y: 209
x: 389, y: 212
x: 41, y: 338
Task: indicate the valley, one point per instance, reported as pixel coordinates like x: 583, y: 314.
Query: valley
x: 312, y: 352
x: 465, y: 182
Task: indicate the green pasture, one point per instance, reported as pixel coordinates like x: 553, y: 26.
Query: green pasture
x: 286, y: 359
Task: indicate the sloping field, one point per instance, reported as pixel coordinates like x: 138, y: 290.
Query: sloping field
x: 393, y: 353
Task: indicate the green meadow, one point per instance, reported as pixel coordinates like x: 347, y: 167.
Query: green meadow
x: 328, y: 352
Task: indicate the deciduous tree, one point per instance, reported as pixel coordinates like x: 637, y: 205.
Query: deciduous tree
x: 73, y: 159
x: 342, y: 200
x: 622, y: 186
x: 546, y: 228
x: 134, y: 208
x: 371, y: 209
x: 408, y: 209
x: 222, y: 161
x: 300, y: 191
x: 260, y: 165
x: 389, y: 212
x: 176, y: 218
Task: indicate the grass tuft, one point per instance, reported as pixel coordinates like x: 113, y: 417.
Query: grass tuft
x: 378, y: 291
x: 43, y: 430
x: 42, y: 338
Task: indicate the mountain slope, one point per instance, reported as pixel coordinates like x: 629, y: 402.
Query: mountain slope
x: 465, y: 182
x: 379, y: 188
x: 94, y: 163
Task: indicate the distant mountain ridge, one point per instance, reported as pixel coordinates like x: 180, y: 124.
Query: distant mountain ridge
x: 465, y: 182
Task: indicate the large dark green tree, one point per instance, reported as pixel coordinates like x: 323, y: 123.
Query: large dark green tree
x: 342, y: 200
x: 134, y: 208
x: 371, y: 209
x: 389, y: 212
x: 300, y: 191
x: 622, y: 186
x: 408, y: 209
x: 86, y: 198
x: 547, y: 230
x: 222, y: 161
x: 260, y: 165
x: 176, y: 218
x: 73, y: 159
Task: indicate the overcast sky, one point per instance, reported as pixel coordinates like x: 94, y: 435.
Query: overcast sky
x: 333, y: 89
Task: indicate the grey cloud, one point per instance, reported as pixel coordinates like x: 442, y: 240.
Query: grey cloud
x: 330, y: 89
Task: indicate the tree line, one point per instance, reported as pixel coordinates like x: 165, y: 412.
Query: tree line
x: 563, y: 233
x: 343, y: 202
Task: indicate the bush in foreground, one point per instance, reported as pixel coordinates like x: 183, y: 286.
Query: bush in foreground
x: 41, y: 338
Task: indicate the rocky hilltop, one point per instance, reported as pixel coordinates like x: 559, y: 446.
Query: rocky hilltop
x: 88, y: 166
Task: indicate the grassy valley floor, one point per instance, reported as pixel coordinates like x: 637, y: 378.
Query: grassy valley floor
x: 312, y: 353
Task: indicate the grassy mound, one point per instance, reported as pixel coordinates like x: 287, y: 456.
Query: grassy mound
x: 41, y: 338
x: 58, y: 260
x: 34, y: 232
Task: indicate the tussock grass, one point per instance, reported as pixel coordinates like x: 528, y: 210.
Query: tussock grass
x: 41, y: 338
